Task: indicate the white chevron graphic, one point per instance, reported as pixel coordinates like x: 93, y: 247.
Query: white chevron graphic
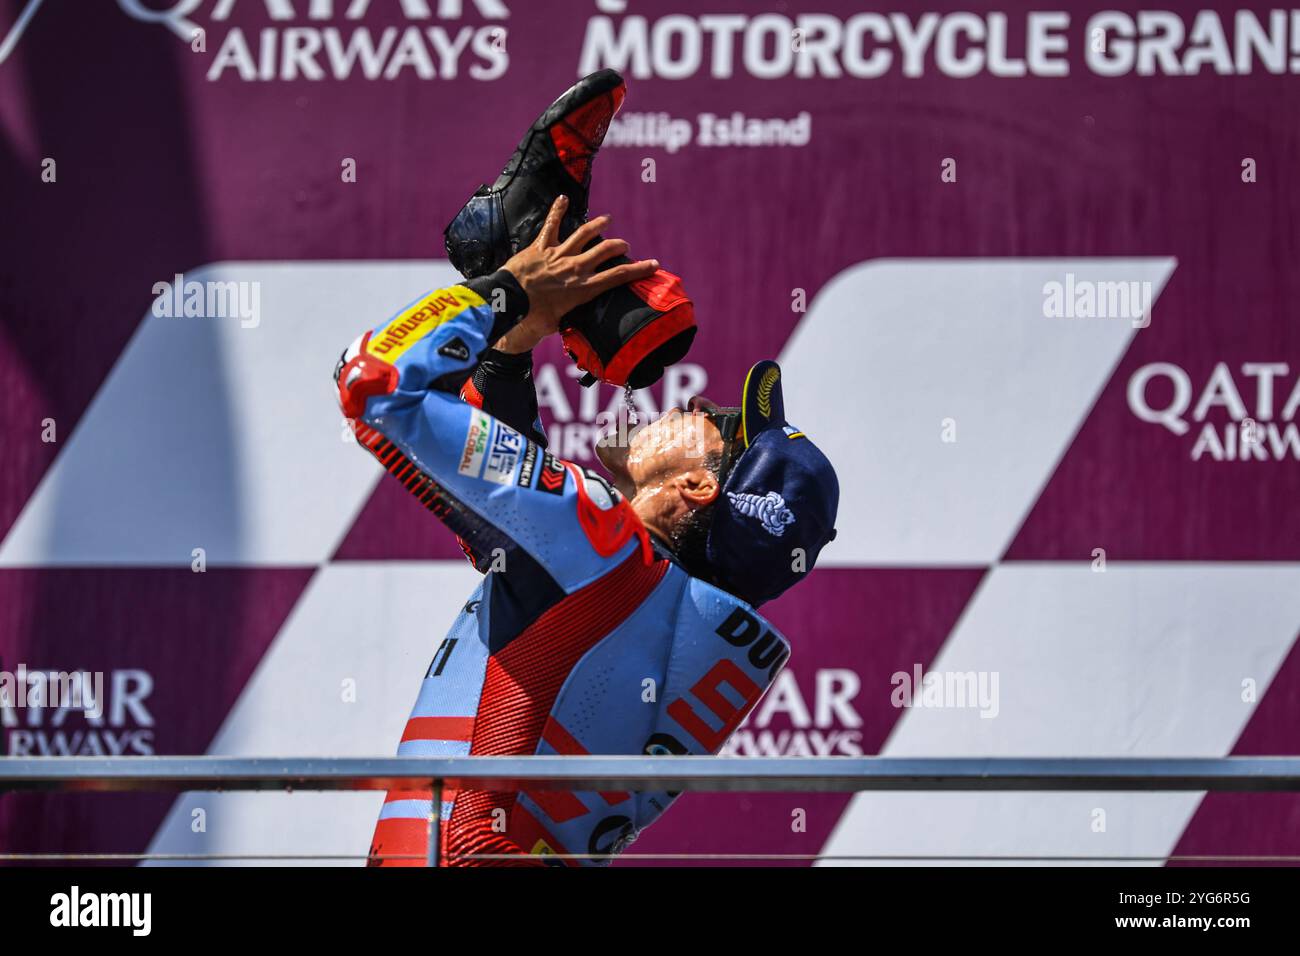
x: 375, y: 624
x: 1142, y: 660
x: 210, y: 435
x: 909, y: 343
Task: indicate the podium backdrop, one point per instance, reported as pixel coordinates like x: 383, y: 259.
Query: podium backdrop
x: 1031, y: 274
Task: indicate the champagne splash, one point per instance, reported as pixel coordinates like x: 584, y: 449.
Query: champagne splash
x: 630, y: 404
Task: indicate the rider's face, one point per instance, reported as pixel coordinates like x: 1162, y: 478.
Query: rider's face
x: 676, y: 443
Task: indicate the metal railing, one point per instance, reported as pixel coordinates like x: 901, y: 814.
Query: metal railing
x: 641, y: 773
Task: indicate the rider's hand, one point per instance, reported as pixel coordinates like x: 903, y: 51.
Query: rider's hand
x: 559, y: 276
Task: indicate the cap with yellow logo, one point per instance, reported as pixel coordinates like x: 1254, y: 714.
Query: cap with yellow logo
x: 776, y: 510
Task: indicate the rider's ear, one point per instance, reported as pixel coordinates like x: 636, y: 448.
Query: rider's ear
x: 698, y: 488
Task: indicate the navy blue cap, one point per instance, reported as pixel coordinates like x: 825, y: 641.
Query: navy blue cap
x: 777, y: 509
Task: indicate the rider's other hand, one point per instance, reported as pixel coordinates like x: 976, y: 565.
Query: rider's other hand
x: 559, y: 276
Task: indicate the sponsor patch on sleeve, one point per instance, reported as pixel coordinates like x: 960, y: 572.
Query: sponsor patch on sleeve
x: 414, y: 323
x: 551, y: 476
x: 456, y: 349
x: 476, y: 443
x: 503, y: 454
x: 529, y: 466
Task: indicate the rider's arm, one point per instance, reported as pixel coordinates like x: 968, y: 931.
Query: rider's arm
x: 502, y: 385
x: 484, y: 479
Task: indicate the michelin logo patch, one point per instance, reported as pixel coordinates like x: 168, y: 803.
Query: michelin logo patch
x: 770, y: 509
x: 503, y: 455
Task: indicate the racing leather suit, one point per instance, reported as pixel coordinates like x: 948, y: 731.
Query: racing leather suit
x: 585, y: 636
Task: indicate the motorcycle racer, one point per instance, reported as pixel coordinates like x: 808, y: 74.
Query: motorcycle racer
x: 599, y: 627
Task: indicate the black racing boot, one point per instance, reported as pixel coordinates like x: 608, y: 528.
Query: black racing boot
x: 625, y: 336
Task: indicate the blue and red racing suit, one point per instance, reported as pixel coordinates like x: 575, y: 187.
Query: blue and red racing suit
x: 585, y: 636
